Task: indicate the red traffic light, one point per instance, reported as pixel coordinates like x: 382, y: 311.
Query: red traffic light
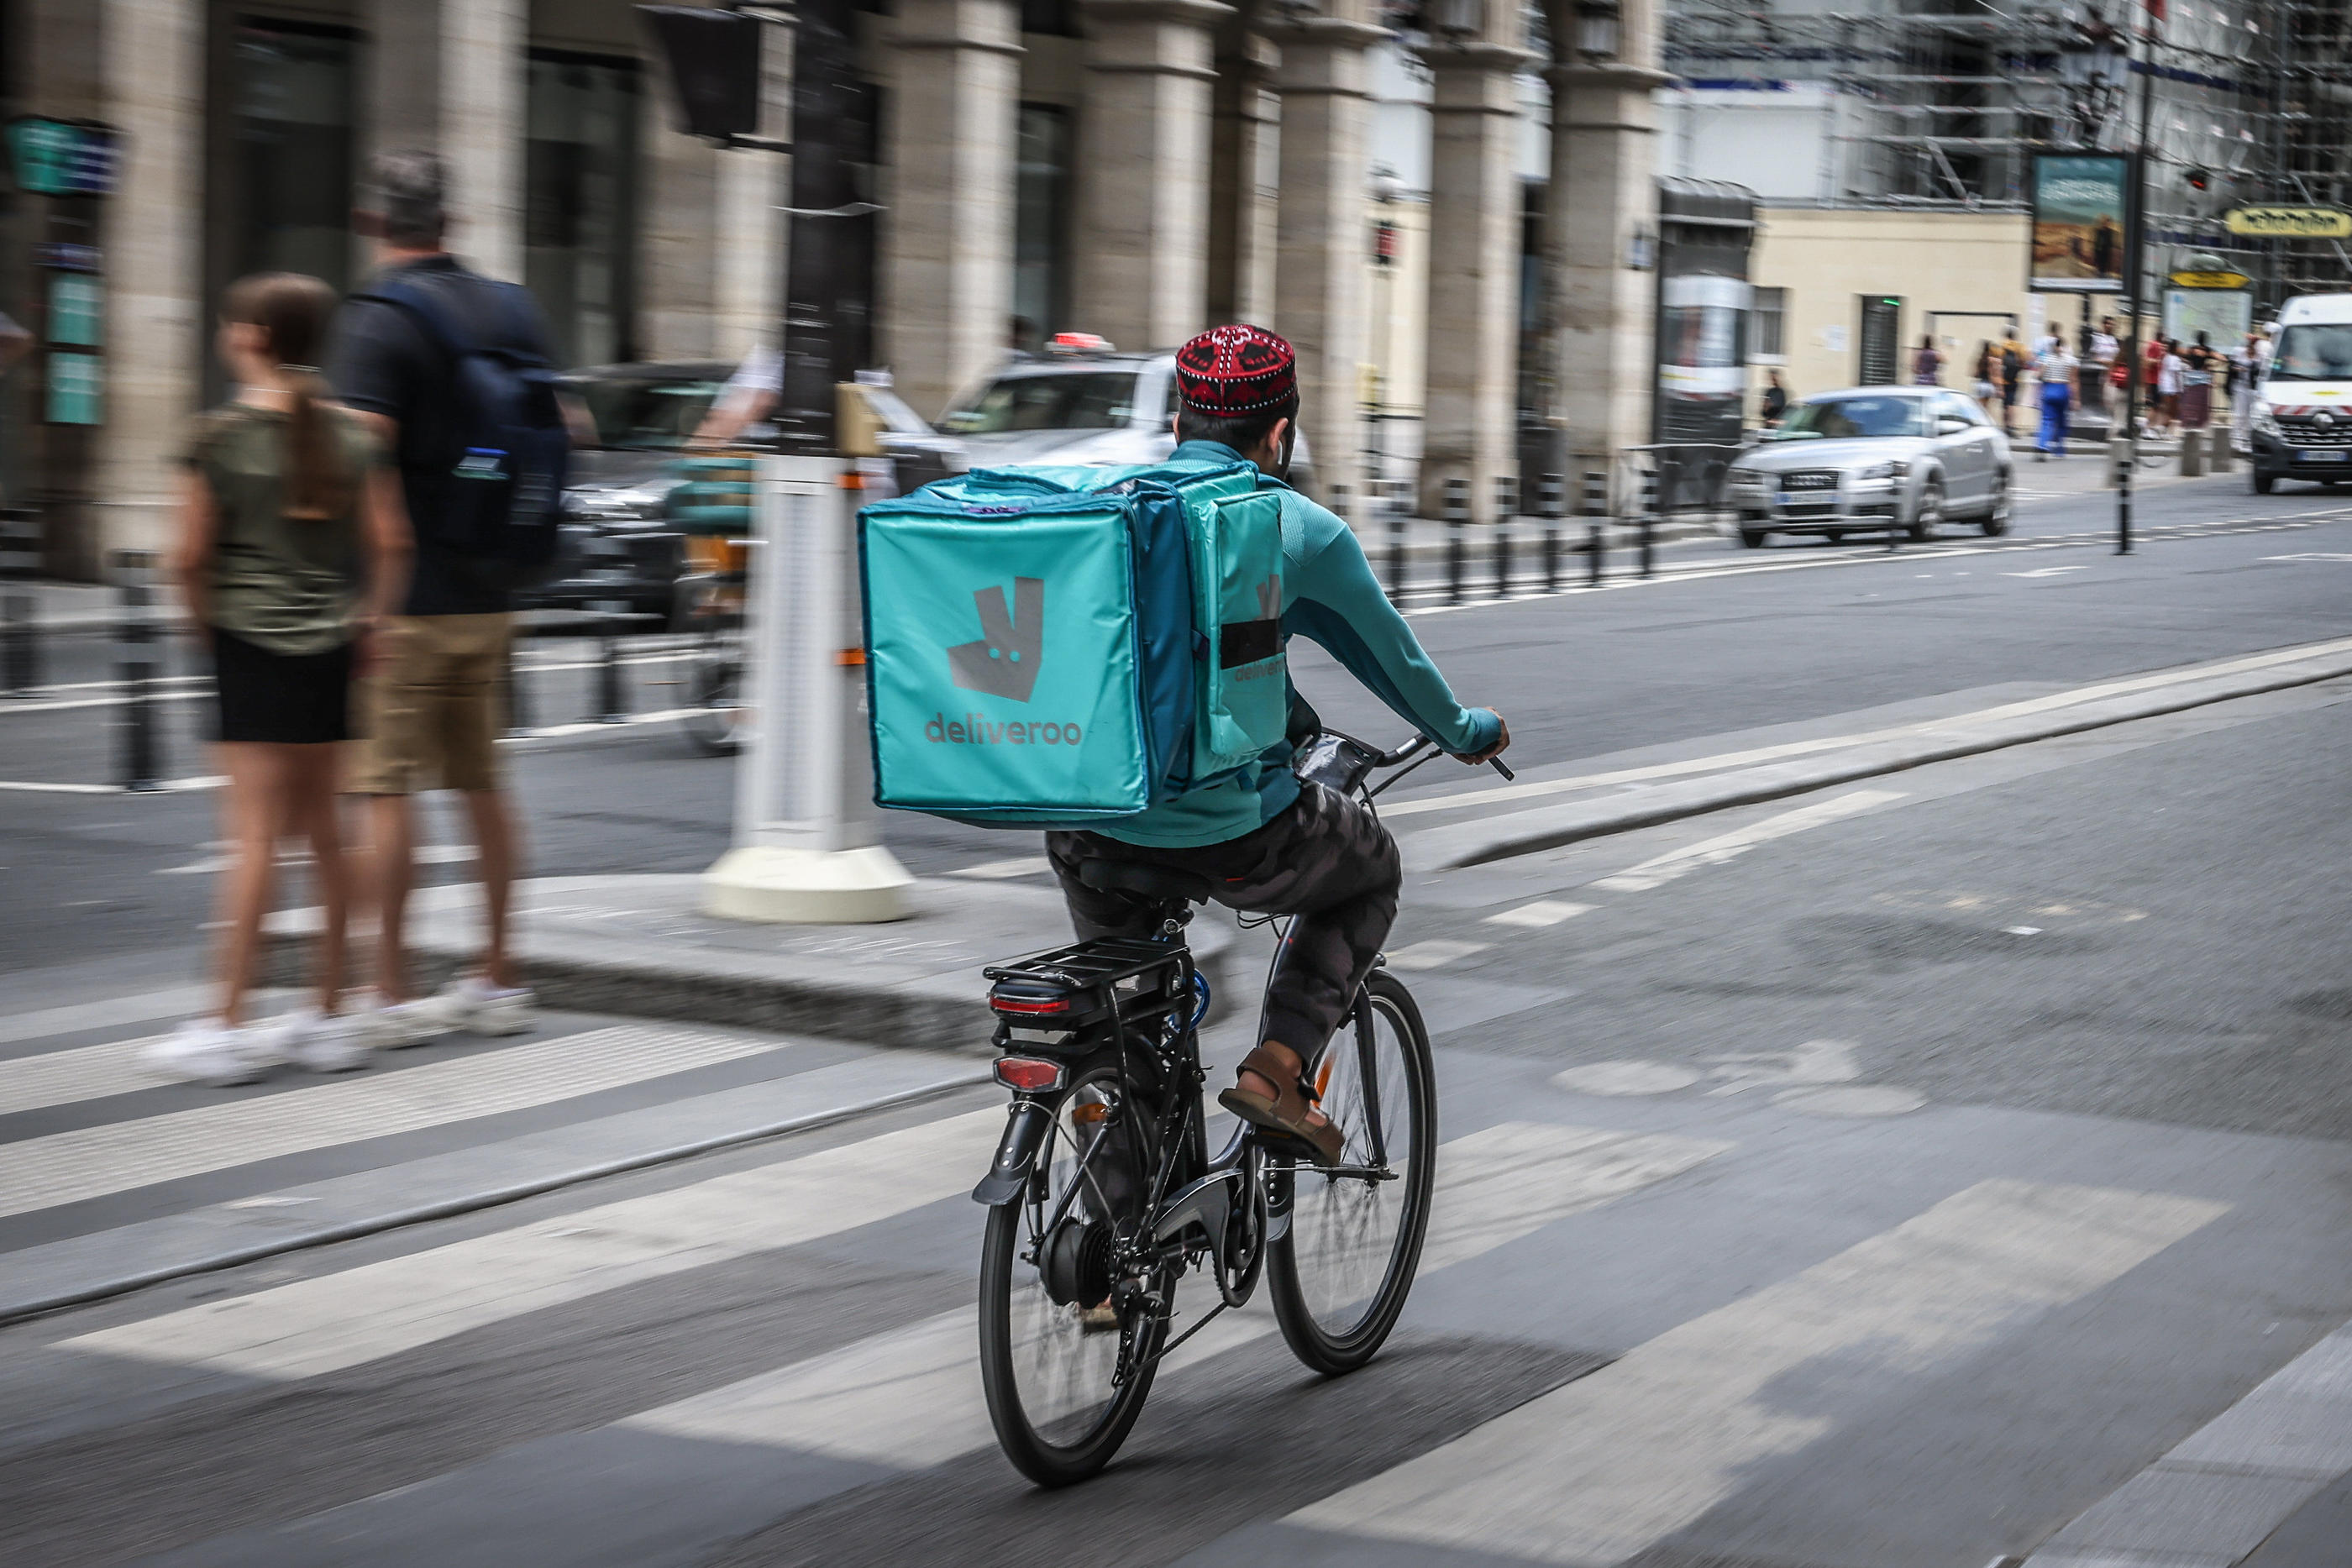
x: 2200, y: 180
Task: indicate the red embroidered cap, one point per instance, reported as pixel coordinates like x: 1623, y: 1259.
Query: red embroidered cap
x: 1237, y: 369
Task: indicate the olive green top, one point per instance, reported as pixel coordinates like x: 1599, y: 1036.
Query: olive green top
x: 286, y: 584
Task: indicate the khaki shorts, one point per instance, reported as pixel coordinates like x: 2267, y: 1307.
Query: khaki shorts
x: 430, y: 711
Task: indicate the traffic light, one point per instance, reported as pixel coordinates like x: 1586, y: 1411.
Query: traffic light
x: 714, y: 59
x: 2200, y: 179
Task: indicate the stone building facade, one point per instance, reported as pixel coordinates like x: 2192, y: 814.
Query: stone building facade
x: 1135, y: 168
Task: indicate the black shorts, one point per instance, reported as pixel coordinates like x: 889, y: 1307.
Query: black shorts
x: 282, y: 700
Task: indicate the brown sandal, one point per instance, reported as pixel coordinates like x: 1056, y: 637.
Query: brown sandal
x: 1286, y: 1112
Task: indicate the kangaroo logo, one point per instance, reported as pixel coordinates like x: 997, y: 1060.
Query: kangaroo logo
x: 1004, y: 663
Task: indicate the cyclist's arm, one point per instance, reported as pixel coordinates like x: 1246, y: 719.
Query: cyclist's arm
x: 1339, y: 605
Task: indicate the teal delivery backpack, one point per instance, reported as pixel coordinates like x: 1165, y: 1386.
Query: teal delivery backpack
x: 1065, y: 646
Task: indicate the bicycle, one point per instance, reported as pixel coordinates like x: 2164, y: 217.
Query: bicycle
x: 1102, y: 1194
x: 710, y: 617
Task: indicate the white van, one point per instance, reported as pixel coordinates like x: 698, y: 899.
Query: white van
x: 2303, y: 409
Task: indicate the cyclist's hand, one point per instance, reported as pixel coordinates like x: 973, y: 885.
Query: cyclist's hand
x: 1502, y: 739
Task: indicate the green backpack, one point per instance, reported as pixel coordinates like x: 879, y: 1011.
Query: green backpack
x: 1066, y: 646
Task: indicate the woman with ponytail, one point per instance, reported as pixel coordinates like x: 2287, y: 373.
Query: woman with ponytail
x: 293, y: 541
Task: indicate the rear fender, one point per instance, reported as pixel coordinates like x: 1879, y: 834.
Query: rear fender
x: 1016, y: 1154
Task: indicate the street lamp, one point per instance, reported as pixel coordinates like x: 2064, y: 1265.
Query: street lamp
x: 1598, y: 26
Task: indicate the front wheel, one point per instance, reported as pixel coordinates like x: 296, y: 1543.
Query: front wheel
x: 1067, y: 1348
x: 1996, y: 521
x: 2263, y: 482
x: 1929, y: 512
x: 1342, y: 1267
x: 1753, y: 538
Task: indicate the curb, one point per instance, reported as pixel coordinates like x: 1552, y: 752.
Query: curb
x: 1547, y: 828
x: 21, y: 1307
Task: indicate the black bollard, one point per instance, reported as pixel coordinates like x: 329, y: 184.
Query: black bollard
x: 140, y: 748
x: 1596, y: 506
x: 1551, y: 510
x: 1457, y: 541
x: 518, y: 698
x: 1505, y: 507
x: 1649, y: 516
x: 20, y: 638
x: 611, y: 706
x: 1396, y: 551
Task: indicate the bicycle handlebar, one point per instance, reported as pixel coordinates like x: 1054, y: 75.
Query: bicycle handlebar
x: 1421, y: 743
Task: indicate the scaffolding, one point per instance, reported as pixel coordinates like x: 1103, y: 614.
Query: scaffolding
x: 1944, y: 105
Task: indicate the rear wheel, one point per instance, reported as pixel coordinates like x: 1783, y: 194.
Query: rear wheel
x: 1342, y: 1267
x: 1066, y: 1381
x: 713, y: 681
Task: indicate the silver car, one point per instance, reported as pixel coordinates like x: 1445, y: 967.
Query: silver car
x: 1086, y: 406
x: 1873, y: 459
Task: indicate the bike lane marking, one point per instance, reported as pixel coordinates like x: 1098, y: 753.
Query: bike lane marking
x: 1608, y: 1466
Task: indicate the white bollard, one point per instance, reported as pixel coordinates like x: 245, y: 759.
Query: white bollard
x: 808, y: 836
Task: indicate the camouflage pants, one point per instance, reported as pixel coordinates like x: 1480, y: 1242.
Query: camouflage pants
x: 1327, y: 861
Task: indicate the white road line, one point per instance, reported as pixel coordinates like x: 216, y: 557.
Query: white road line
x: 1724, y: 761
x: 1604, y: 1468
x: 90, y: 1161
x: 169, y: 1002
x: 1659, y: 870
x: 1434, y: 954
x: 1001, y: 871
x: 912, y: 1398
x: 425, y: 854
x: 1542, y: 912
x: 316, y: 1326
x: 2047, y: 571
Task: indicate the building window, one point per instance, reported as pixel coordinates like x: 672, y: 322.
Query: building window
x: 1767, y: 320
x: 1040, y: 251
x: 292, y: 178
x: 579, y: 204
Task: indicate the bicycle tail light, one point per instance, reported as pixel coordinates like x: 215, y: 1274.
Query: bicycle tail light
x: 1028, y: 1074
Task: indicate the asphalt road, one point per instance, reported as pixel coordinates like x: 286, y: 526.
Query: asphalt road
x: 1921, y: 1173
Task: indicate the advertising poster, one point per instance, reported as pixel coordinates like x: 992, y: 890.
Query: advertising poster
x: 2078, y: 222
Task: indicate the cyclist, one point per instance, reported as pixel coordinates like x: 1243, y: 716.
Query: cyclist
x: 1266, y: 841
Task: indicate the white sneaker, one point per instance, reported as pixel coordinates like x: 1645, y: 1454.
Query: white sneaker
x: 399, y: 1025
x: 311, y: 1039
x: 204, y: 1051
x: 476, y: 1005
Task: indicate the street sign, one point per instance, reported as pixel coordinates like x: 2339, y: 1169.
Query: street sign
x: 62, y: 157
x: 2210, y: 280
x: 77, y: 387
x: 2290, y: 223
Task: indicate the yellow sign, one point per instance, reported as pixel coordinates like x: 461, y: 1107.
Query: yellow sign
x: 2291, y: 223
x: 2210, y: 280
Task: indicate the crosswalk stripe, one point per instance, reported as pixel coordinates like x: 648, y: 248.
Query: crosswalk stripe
x: 315, y: 1326
x: 139, y: 1009
x: 66, y: 1167
x: 64, y: 1077
x: 1608, y: 1466
x: 912, y: 1398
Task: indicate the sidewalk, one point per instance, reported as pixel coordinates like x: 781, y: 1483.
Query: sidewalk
x: 641, y: 946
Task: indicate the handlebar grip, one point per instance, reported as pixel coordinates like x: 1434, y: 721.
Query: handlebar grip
x: 1497, y: 764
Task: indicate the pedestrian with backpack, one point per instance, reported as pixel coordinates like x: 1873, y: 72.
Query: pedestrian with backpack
x: 454, y: 372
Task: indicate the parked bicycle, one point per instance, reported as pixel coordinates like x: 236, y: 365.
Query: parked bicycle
x: 1104, y: 1195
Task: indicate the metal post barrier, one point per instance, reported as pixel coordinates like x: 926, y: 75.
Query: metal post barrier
x: 1552, y: 486
x: 612, y: 616
x: 518, y: 696
x: 1506, y: 505
x: 1396, y: 552
x: 1457, y: 542
x: 20, y: 645
x: 1596, y: 506
x: 139, y: 749
x: 2192, y: 455
x: 2218, y: 447
x: 1649, y: 516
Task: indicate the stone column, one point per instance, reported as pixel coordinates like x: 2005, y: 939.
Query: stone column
x: 748, y: 225
x: 1470, y: 423
x: 1604, y: 192
x: 153, y: 226
x: 1143, y: 170
x: 675, y: 265
x: 1244, y: 123
x: 1322, y: 233
x: 948, y: 240
x: 485, y: 77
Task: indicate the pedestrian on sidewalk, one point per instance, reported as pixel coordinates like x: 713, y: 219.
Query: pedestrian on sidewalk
x: 2056, y: 369
x: 431, y: 708
x: 1776, y: 399
x: 2013, y: 380
x: 292, y: 545
x: 1987, y: 381
x: 1927, y: 365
